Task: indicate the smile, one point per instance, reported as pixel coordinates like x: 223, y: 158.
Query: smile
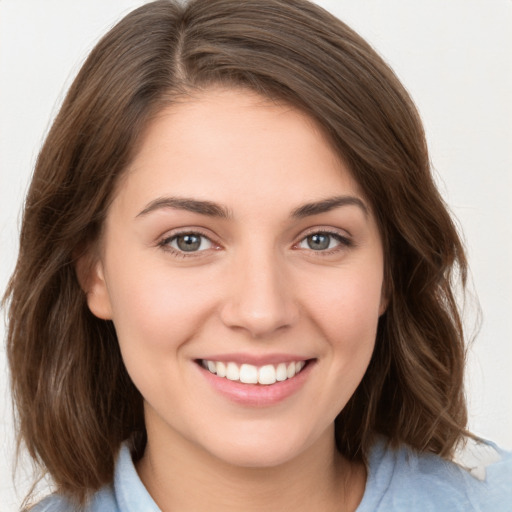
x: 250, y: 374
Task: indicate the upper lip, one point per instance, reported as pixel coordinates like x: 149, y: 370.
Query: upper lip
x: 256, y: 360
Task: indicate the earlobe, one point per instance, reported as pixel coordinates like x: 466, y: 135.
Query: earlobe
x: 383, y: 305
x: 92, y: 281
x: 384, y: 300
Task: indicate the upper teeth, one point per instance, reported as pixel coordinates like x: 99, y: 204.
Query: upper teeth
x: 250, y: 374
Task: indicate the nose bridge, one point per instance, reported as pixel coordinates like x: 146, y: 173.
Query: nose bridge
x: 260, y: 299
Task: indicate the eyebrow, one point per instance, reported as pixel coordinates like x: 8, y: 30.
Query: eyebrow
x: 212, y: 209
x: 326, y: 205
x: 208, y: 208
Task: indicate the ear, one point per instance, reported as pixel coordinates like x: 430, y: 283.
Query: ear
x: 384, y: 300
x: 92, y: 281
x: 383, y: 305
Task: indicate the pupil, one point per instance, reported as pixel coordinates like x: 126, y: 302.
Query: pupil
x: 318, y: 241
x: 189, y: 242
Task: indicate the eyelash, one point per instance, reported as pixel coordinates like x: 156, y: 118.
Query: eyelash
x: 165, y: 243
x: 343, y: 243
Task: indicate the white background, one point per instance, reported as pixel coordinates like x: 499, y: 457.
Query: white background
x: 455, y: 58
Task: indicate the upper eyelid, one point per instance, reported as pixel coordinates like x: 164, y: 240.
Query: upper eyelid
x: 164, y: 242
x: 171, y: 234
x: 343, y: 233
x: 344, y: 240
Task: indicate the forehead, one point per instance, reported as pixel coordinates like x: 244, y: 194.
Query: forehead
x: 228, y: 144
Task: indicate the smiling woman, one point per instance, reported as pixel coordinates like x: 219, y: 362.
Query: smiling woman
x: 280, y: 290
x: 235, y: 281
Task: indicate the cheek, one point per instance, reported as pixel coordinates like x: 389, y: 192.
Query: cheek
x: 155, y: 308
x: 156, y: 312
x: 348, y: 314
x: 348, y: 303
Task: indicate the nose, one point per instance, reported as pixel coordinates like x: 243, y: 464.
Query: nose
x: 259, y: 299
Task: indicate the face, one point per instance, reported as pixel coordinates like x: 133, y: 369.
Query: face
x: 243, y: 271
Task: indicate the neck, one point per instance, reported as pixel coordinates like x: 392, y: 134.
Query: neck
x: 179, y: 475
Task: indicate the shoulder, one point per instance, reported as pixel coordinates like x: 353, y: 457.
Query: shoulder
x: 102, y: 501
x: 127, y: 493
x: 403, y: 479
x: 491, y: 468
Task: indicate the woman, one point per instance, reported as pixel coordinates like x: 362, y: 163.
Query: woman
x: 235, y: 281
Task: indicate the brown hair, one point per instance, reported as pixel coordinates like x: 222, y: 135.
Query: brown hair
x: 75, y: 402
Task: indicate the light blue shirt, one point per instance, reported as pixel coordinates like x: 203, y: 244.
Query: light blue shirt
x: 398, y: 480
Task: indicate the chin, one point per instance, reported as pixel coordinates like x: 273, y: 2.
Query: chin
x: 260, y: 450
x: 258, y: 456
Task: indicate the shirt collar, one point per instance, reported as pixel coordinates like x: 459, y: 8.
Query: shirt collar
x: 131, y: 495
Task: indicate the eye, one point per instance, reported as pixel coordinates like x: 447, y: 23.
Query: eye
x: 323, y: 241
x: 188, y: 242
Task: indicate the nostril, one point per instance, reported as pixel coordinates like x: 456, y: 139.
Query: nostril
x: 259, y: 319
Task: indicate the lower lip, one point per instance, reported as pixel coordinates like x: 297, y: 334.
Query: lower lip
x: 257, y: 395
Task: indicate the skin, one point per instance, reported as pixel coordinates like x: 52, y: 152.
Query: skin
x: 255, y: 286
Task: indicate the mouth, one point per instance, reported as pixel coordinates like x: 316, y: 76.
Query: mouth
x: 265, y: 375
x: 256, y: 380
